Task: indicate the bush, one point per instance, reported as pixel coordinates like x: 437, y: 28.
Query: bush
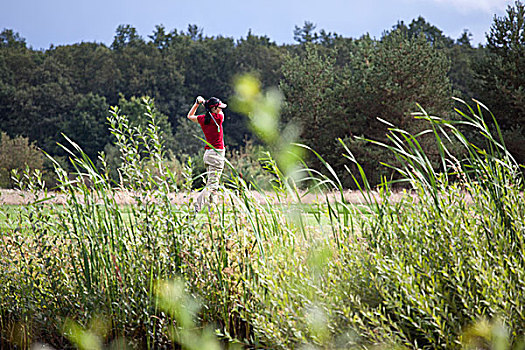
x: 426, y: 271
x: 17, y: 154
x: 418, y: 272
x: 246, y: 162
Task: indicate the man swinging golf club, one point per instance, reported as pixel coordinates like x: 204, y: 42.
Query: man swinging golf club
x: 211, y: 125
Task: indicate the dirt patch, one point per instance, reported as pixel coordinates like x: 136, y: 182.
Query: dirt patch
x: 16, y: 197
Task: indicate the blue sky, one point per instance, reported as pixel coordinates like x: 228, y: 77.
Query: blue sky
x: 60, y: 22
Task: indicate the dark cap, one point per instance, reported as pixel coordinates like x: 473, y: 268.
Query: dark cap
x: 214, y: 102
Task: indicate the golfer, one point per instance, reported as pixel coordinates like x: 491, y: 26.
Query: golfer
x: 211, y: 124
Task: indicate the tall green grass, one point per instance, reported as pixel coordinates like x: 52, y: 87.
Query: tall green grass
x: 426, y: 270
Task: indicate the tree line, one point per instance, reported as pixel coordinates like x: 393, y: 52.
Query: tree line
x: 334, y: 87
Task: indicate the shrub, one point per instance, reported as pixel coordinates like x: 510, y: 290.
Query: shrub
x: 418, y: 272
x: 248, y: 165
x: 17, y: 154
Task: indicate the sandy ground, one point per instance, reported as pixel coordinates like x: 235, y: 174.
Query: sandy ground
x: 16, y: 197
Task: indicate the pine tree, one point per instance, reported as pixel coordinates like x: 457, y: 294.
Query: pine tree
x: 382, y: 79
x: 502, y: 77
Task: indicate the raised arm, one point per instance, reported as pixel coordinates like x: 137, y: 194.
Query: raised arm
x: 191, y: 113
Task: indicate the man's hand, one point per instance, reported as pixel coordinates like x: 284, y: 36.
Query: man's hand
x: 199, y: 100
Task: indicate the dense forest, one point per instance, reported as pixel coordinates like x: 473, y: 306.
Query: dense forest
x: 333, y: 87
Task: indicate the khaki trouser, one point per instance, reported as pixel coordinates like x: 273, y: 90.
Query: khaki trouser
x: 214, y: 162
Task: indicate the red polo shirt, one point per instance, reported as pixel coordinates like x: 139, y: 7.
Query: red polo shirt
x: 213, y: 136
